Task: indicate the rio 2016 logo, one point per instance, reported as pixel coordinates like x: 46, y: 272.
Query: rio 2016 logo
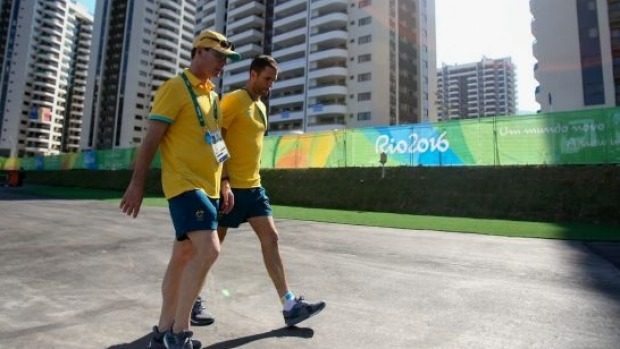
x: 414, y: 144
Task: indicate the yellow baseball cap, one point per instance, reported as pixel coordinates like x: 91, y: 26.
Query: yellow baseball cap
x: 218, y: 42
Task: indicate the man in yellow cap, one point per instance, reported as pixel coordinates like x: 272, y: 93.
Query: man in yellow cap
x: 185, y: 123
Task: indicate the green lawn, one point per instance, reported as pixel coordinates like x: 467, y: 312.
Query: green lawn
x: 576, y: 231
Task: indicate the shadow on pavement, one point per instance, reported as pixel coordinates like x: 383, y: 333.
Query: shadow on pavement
x: 281, y: 332
x: 141, y: 343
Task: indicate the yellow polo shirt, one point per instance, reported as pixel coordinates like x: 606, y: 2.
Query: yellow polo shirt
x: 188, y: 162
x: 245, y: 122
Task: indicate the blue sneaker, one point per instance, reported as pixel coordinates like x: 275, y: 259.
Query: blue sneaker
x: 301, y: 311
x: 200, y: 315
x: 157, y: 340
x: 181, y: 340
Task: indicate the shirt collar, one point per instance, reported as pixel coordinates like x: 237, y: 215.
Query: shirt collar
x: 208, y: 86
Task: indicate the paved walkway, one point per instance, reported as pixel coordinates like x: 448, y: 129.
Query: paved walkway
x: 79, y: 274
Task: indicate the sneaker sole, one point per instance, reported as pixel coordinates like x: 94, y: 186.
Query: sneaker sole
x: 295, y: 322
x: 202, y: 322
x: 196, y: 344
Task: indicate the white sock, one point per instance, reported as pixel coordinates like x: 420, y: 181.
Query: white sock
x: 288, y: 301
x: 289, y: 304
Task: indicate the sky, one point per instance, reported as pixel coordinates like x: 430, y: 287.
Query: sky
x: 89, y: 4
x: 467, y: 30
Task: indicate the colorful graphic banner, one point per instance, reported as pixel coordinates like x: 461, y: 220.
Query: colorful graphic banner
x: 584, y: 137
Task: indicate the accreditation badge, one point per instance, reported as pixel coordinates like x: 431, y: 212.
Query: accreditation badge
x: 219, y: 147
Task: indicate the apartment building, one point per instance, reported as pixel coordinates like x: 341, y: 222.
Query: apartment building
x: 43, y: 59
x: 577, y: 49
x: 76, y: 88
x: 484, y: 88
x: 138, y: 46
x: 343, y: 63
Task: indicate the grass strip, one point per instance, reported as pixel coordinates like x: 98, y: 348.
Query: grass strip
x: 522, y: 229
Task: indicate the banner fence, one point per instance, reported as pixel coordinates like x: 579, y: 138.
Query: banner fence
x: 567, y: 138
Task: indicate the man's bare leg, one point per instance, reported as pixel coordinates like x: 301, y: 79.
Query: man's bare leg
x: 181, y: 254
x: 205, y: 250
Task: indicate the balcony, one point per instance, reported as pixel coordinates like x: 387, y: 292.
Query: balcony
x: 45, y: 74
x: 290, y: 22
x: 164, y: 63
x: 328, y: 72
x: 291, y: 38
x: 299, y: 63
x: 289, y: 83
x: 289, y: 7
x: 333, y: 20
x: 163, y: 45
x: 286, y: 116
x: 331, y: 37
x: 327, y: 90
x: 251, y: 8
x: 166, y: 12
x: 336, y: 54
x: 286, y: 100
x: 329, y: 5
x: 290, y: 53
x: 249, y: 50
x: 45, y: 83
x: 327, y: 109
x: 246, y: 37
x: 233, y: 79
x: 238, y: 67
x: 250, y: 22
x: 164, y: 54
x: 43, y: 94
x: 168, y: 24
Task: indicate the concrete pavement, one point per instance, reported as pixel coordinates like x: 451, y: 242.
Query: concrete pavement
x: 79, y: 274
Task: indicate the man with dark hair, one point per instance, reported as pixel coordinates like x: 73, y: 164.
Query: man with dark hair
x: 186, y: 125
x: 244, y: 126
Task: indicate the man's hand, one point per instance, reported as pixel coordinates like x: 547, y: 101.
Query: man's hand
x: 132, y: 200
x: 228, y: 199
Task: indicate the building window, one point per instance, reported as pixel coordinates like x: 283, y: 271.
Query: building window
x: 364, y: 3
x: 364, y: 21
x: 364, y: 39
x: 364, y: 58
x: 363, y: 116
x: 364, y: 96
x: 363, y: 77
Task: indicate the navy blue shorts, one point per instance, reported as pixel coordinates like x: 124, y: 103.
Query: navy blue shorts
x: 192, y: 211
x: 249, y: 203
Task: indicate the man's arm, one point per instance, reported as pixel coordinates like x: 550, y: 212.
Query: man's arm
x: 132, y: 199
x: 228, y: 199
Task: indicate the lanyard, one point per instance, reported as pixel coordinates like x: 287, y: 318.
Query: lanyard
x: 260, y: 111
x: 199, y: 114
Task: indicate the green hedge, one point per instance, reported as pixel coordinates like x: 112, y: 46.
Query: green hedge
x: 578, y: 193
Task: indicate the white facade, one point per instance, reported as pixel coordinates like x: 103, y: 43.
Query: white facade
x: 139, y: 45
x: 342, y: 63
x: 484, y: 88
x: 38, y: 61
x: 575, y: 65
x: 74, y: 112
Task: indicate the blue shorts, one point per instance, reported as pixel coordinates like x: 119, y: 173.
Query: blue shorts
x: 192, y: 211
x: 249, y: 203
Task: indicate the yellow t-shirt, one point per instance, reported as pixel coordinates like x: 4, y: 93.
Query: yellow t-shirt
x: 188, y: 162
x: 245, y: 122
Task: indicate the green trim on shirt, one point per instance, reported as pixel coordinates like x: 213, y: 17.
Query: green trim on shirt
x: 161, y: 118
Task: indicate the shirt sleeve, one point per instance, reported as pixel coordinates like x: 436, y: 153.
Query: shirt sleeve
x: 228, y: 109
x: 166, y: 105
